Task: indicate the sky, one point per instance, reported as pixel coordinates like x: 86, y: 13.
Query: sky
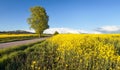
x: 85, y: 15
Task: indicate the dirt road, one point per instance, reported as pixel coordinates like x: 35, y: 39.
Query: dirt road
x: 18, y: 43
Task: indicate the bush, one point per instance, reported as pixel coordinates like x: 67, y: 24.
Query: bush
x: 56, y: 33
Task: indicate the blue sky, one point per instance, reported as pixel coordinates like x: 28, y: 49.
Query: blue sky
x: 74, y: 14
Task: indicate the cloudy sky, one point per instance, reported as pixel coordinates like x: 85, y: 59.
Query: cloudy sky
x: 73, y: 16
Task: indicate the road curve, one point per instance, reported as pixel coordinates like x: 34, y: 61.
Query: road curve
x: 18, y: 43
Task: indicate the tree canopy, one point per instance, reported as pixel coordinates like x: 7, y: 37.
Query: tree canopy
x: 38, y: 19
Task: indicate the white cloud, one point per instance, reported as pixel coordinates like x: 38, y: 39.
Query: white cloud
x: 94, y: 32
x: 68, y: 30
x: 109, y: 29
x: 100, y: 30
x: 60, y: 30
x: 82, y: 31
x: 31, y: 30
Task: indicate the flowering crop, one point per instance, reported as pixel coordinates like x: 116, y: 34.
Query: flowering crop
x: 87, y: 51
x: 71, y: 52
x: 16, y: 35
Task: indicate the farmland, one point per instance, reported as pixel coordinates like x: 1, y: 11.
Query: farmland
x: 16, y: 37
x: 65, y: 52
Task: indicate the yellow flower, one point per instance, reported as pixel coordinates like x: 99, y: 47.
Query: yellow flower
x: 84, y: 48
x: 34, y: 62
x: 66, y: 65
x: 38, y: 68
x: 32, y: 66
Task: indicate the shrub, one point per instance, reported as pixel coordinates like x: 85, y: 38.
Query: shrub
x: 56, y: 33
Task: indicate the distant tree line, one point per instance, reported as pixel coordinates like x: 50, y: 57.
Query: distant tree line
x: 15, y: 32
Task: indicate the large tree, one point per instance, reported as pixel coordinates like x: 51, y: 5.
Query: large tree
x: 38, y: 19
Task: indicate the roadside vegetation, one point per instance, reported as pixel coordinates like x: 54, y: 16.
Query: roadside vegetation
x: 66, y: 52
x: 13, y: 57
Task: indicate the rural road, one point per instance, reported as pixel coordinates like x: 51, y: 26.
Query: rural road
x: 18, y: 43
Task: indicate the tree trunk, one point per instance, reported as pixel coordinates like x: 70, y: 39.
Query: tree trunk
x: 39, y: 35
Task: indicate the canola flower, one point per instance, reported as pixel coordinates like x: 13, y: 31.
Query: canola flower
x: 34, y: 62
x: 87, y: 51
x: 16, y: 35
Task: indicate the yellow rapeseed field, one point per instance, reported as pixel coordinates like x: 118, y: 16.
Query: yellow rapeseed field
x: 16, y: 35
x: 87, y: 51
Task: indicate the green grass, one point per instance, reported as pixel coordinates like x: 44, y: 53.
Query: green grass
x: 7, y: 51
x: 12, y: 58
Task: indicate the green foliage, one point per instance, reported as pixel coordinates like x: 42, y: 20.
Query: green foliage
x: 12, y: 61
x: 38, y: 19
x: 56, y: 32
x: 7, y: 51
x: 14, y: 58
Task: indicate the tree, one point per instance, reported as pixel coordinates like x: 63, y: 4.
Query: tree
x: 56, y: 32
x: 38, y: 19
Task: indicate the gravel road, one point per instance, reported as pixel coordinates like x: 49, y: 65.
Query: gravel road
x: 18, y: 43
